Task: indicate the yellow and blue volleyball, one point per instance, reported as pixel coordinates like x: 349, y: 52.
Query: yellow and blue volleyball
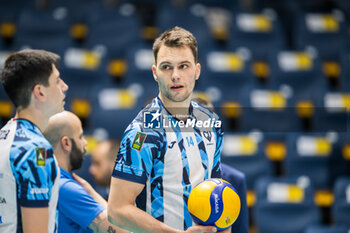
x: 214, y: 202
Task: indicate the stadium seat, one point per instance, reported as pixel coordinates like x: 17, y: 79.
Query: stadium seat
x: 332, y: 113
x: 113, y: 108
x: 47, y: 30
x: 245, y: 152
x: 299, y: 70
x: 345, y: 70
x: 120, y: 24
x: 229, y: 71
x: 261, y: 32
x: 309, y: 154
x: 340, y: 162
x: 84, y: 67
x: 326, y: 32
x: 269, y: 110
x: 341, y: 207
x: 191, y: 18
x: 224, y: 77
x: 284, y: 205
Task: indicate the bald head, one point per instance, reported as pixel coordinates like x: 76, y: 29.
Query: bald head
x: 65, y: 133
x: 61, y: 124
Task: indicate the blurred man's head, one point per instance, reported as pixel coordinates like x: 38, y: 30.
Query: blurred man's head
x: 65, y: 133
x: 33, y: 73
x: 102, y: 161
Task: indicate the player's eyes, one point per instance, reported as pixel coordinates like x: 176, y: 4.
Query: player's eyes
x: 165, y: 67
x: 183, y: 66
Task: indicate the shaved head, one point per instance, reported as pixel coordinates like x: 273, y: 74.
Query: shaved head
x: 61, y: 124
x: 65, y: 133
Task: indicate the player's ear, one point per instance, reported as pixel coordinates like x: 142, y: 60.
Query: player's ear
x: 66, y: 143
x: 39, y: 92
x: 154, y: 71
x: 198, y: 70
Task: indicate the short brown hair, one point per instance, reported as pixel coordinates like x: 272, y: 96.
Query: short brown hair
x: 176, y: 37
x: 25, y: 69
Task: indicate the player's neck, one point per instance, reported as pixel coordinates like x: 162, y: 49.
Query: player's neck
x: 35, y: 116
x: 180, y: 110
x: 62, y: 157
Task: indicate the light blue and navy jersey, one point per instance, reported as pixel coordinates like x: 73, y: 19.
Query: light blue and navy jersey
x: 29, y: 174
x: 76, y: 208
x: 170, y: 159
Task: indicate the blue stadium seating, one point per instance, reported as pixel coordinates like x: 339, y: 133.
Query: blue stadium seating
x: 84, y: 67
x: 345, y: 70
x: 188, y: 18
x: 113, y: 108
x: 116, y: 29
x: 43, y: 30
x: 341, y: 207
x: 326, y: 32
x: 300, y: 70
x: 331, y: 113
x: 229, y: 71
x: 245, y: 152
x: 284, y: 205
x: 269, y: 110
x: 260, y: 31
x: 309, y: 154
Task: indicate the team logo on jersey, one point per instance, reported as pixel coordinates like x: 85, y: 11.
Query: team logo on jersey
x: 207, y: 135
x: 40, y: 156
x: 138, y: 141
x: 3, y: 134
x: 152, y: 120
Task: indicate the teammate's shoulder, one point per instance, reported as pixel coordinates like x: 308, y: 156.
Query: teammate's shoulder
x: 69, y: 187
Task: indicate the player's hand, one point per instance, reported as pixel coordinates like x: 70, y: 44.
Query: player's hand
x: 200, y: 229
x: 83, y: 183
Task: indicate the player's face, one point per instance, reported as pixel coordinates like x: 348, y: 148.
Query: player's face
x: 101, y: 167
x: 176, y: 73
x: 55, y: 92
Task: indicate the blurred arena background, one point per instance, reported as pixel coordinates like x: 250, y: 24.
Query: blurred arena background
x: 276, y: 71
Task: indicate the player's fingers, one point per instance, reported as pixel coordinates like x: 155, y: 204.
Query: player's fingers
x: 78, y: 178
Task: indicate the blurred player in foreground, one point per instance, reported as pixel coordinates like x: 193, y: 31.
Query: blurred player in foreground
x: 29, y: 174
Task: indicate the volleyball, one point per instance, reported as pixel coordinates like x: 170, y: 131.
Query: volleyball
x: 214, y: 202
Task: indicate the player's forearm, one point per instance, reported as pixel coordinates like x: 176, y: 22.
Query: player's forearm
x: 136, y: 220
x: 97, y: 197
x: 101, y: 225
